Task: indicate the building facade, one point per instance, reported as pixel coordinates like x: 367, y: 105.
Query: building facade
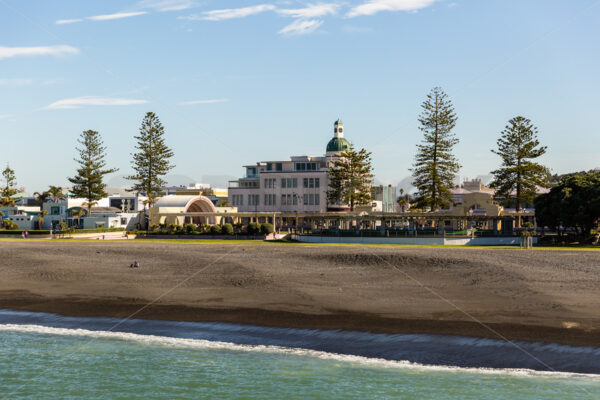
x: 299, y: 184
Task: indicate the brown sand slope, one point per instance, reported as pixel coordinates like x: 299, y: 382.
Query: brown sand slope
x: 528, y: 295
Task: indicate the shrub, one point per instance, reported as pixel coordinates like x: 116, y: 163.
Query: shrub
x: 10, y: 225
x: 189, y: 228
x: 266, y: 228
x: 215, y: 230
x: 227, y: 229
x: 253, y: 228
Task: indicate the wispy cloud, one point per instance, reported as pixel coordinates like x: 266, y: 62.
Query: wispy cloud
x: 208, y: 101
x: 15, y: 82
x: 10, y: 52
x: 68, y: 21
x: 230, y: 13
x: 301, y: 27
x: 167, y: 5
x: 374, y: 6
x: 119, y: 15
x: 311, y: 11
x: 78, y: 102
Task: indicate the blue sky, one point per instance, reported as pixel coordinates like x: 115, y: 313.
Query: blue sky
x: 240, y: 81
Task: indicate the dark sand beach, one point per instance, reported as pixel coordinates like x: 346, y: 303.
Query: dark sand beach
x: 538, y: 295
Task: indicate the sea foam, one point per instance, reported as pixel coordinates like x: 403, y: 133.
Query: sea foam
x: 166, y: 341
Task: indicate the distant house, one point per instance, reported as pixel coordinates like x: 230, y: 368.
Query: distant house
x: 24, y: 221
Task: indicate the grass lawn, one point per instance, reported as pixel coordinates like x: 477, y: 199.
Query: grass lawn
x: 293, y: 243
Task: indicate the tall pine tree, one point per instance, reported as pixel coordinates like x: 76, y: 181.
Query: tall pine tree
x: 89, y: 181
x: 518, y: 176
x: 350, y: 178
x: 435, y: 166
x: 152, y: 161
x: 9, y: 189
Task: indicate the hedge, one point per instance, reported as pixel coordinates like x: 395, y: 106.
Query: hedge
x: 18, y: 232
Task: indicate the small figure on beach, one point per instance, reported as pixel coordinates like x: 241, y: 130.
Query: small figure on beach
x: 134, y: 265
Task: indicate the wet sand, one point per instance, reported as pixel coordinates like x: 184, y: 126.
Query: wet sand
x: 551, y: 296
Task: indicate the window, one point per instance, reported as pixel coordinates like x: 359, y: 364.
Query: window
x: 311, y: 183
x: 305, y: 202
x: 279, y: 167
x: 123, y: 221
x: 316, y: 182
x: 270, y: 183
x: 295, y: 199
x: 269, y: 167
x: 317, y: 201
x: 270, y: 200
x: 294, y: 182
x: 305, y: 182
x: 238, y: 199
x: 253, y: 199
x: 283, y: 200
x: 283, y: 183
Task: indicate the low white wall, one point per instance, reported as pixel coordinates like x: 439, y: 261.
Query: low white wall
x: 480, y: 241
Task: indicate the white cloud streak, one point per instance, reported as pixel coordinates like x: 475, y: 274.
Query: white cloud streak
x: 68, y: 21
x: 10, y: 52
x: 119, y: 15
x: 230, y: 13
x: 311, y: 11
x: 208, y: 101
x: 301, y: 27
x: 79, y: 102
x: 374, y: 6
x: 167, y: 5
x: 15, y: 82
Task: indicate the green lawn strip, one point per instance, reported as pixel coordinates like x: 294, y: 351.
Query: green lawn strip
x: 293, y: 243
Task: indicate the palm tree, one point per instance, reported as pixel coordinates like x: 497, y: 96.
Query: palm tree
x: 404, y: 201
x: 78, y: 214
x: 42, y: 197
x: 41, y: 219
x: 55, y: 192
x: 89, y: 205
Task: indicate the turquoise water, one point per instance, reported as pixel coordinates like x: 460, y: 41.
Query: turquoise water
x: 66, y: 363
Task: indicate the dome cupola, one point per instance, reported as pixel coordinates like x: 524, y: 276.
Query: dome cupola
x: 338, y: 143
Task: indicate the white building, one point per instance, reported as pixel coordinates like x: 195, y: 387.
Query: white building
x: 296, y: 185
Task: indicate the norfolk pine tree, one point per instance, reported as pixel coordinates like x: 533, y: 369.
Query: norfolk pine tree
x: 435, y: 166
x: 350, y: 178
x: 517, y: 146
x: 9, y: 189
x: 88, y: 183
x: 151, y: 162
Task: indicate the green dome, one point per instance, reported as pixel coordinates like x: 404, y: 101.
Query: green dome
x: 338, y: 122
x: 338, y: 144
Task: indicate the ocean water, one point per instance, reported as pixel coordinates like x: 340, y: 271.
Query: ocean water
x: 52, y: 357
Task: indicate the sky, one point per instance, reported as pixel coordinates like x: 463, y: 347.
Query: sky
x: 235, y: 82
